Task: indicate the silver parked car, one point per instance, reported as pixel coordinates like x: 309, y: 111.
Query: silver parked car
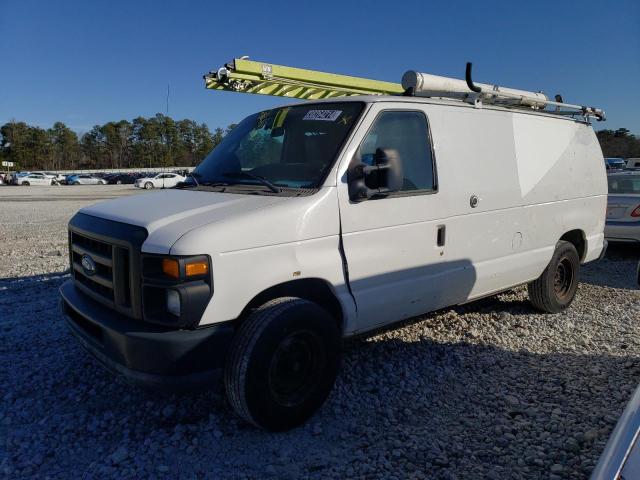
x: 85, y: 179
x: 623, y: 207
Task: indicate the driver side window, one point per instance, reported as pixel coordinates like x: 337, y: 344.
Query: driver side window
x: 406, y: 132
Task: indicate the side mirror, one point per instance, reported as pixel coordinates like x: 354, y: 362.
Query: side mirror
x: 384, y: 176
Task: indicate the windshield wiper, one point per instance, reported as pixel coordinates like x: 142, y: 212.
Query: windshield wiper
x: 260, y: 179
x: 196, y: 183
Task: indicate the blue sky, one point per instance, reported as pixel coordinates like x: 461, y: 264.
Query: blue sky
x: 89, y: 62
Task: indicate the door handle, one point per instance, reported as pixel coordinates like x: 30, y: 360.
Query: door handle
x: 441, y: 236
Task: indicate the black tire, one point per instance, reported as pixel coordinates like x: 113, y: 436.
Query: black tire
x: 556, y: 288
x: 148, y: 186
x: 25, y: 184
x: 282, y: 363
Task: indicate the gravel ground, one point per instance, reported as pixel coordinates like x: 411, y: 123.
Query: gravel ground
x: 486, y: 390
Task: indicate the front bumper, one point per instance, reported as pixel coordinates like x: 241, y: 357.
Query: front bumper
x: 146, y: 354
x: 616, y: 231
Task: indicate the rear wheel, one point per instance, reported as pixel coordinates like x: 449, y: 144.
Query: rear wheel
x: 148, y: 185
x: 556, y: 288
x: 282, y: 363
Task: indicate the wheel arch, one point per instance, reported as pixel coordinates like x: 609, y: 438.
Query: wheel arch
x: 315, y: 290
x: 579, y: 240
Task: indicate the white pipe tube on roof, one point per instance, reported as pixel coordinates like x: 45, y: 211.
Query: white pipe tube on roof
x: 435, y: 85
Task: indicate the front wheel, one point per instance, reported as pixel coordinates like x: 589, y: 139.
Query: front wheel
x: 148, y: 186
x: 282, y: 363
x: 25, y: 184
x: 556, y: 288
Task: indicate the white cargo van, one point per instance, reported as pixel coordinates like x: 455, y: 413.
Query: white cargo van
x: 321, y: 220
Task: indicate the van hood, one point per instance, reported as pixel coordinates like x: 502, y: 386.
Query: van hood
x: 169, y: 214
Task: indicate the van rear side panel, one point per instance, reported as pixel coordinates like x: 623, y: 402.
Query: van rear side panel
x: 536, y: 178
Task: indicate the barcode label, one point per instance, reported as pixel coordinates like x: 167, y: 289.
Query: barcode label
x: 324, y: 115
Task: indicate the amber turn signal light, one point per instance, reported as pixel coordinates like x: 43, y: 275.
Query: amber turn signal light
x: 196, y: 268
x: 171, y: 267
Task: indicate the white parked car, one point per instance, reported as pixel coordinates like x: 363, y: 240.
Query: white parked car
x: 324, y: 220
x: 162, y: 180
x: 85, y: 179
x: 15, y: 177
x: 57, y: 177
x: 34, y: 179
x: 633, y: 163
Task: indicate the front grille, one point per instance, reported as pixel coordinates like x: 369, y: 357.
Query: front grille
x: 115, y: 250
x: 110, y: 282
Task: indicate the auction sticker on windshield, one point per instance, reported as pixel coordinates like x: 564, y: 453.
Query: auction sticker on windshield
x: 325, y: 115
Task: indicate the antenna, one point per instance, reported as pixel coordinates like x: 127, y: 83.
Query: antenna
x: 164, y: 166
x: 167, y: 99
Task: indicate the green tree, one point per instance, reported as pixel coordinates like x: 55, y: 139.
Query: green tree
x: 17, y: 136
x: 143, y: 142
x: 64, y: 147
x: 619, y: 143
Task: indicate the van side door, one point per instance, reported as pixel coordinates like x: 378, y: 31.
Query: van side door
x: 393, y: 244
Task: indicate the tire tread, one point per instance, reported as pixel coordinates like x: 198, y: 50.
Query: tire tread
x: 246, y: 338
x: 537, y: 289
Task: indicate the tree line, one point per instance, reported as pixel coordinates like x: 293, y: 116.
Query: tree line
x: 159, y: 141
x: 143, y: 142
x: 619, y: 143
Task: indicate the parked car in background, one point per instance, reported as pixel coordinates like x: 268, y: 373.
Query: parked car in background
x: 85, y: 179
x: 162, y: 180
x: 35, y: 179
x: 633, y: 163
x: 614, y: 163
x: 56, y: 177
x: 15, y: 177
x: 623, y: 207
x: 120, y: 178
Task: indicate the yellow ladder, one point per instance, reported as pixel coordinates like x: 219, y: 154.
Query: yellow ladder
x: 248, y: 76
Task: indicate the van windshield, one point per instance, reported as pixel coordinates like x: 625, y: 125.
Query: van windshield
x: 291, y: 147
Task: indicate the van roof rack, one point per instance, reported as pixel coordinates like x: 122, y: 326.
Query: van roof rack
x: 249, y: 76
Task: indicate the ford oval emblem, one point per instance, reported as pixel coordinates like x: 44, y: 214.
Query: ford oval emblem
x: 88, y: 265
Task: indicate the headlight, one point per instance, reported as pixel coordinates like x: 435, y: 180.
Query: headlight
x: 176, y: 289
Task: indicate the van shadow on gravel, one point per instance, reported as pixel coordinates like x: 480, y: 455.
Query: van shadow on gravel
x: 417, y: 409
